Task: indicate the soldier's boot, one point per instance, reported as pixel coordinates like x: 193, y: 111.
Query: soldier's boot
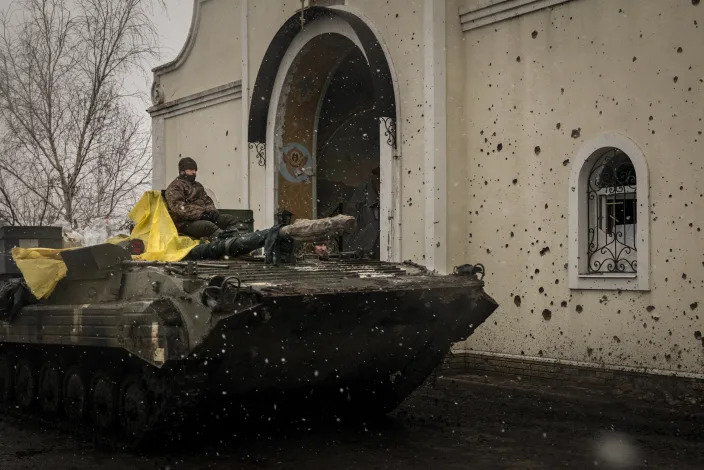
x: 234, y: 246
x: 212, y: 250
x: 246, y: 243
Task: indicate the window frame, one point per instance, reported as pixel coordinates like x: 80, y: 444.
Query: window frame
x: 578, y: 213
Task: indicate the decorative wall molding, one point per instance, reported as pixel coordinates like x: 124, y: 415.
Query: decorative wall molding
x: 203, y: 99
x: 190, y: 41
x: 486, y: 12
x: 435, y: 135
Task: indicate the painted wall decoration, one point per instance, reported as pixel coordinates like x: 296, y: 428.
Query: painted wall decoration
x: 297, y: 164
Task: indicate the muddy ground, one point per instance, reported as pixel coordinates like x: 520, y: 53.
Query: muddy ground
x: 463, y: 422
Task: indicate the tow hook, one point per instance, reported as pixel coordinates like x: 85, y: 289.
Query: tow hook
x: 476, y: 270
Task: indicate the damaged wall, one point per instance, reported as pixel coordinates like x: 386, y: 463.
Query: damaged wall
x: 537, y: 87
x: 210, y: 136
x: 218, y: 56
x: 209, y: 58
x: 523, y: 95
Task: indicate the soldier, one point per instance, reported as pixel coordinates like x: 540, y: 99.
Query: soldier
x: 364, y: 205
x: 191, y: 209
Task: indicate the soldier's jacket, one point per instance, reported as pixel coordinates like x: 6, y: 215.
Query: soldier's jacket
x: 187, y: 201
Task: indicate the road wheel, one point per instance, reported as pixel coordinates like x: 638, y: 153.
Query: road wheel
x: 50, y: 388
x: 7, y: 373
x: 74, y: 394
x: 25, y: 384
x: 103, y: 401
x: 135, y: 407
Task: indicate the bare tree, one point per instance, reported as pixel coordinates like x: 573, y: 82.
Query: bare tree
x: 72, y: 148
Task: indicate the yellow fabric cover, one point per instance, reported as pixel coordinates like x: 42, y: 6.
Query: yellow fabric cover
x: 43, y: 268
x: 153, y: 225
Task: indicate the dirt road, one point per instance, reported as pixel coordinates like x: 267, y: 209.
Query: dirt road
x: 461, y: 423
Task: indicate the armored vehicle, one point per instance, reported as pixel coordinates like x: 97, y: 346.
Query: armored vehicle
x: 134, y: 349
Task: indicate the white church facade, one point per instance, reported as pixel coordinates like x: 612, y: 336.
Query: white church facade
x: 558, y: 142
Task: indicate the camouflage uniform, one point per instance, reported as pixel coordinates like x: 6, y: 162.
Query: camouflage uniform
x: 187, y: 202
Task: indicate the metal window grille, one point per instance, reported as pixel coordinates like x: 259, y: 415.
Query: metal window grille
x: 612, y: 214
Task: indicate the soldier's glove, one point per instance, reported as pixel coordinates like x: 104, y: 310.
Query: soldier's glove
x: 214, y: 215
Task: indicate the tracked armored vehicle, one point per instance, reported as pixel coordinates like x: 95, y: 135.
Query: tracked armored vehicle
x: 135, y: 349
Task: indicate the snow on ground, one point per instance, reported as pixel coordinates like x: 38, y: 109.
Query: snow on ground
x: 95, y: 233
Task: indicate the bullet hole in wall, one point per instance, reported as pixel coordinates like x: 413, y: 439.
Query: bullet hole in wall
x: 547, y: 314
x: 517, y: 300
x: 579, y: 309
x: 576, y: 133
x: 537, y: 149
x: 534, y: 34
x: 650, y: 308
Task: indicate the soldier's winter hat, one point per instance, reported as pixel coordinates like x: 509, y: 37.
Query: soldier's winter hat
x: 187, y: 164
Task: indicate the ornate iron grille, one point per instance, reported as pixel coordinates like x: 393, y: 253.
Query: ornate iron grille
x: 389, y: 131
x: 260, y: 150
x: 612, y: 214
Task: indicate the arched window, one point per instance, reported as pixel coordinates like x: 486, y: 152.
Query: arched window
x: 612, y: 216
x: 609, y: 216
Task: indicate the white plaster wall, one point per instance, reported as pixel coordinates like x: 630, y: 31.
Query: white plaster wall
x: 596, y: 66
x: 265, y: 18
x: 215, y: 57
x: 212, y: 136
x: 400, y: 27
x: 457, y: 167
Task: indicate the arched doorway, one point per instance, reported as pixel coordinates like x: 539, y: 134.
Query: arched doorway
x: 325, y: 135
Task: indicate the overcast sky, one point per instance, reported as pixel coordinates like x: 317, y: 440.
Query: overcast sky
x: 172, y: 26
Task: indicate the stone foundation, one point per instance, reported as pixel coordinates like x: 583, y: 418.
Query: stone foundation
x: 658, y: 386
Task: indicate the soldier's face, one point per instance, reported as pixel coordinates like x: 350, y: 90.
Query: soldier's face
x: 189, y: 175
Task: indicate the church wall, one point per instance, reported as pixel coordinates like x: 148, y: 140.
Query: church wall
x: 399, y: 26
x: 536, y: 88
x: 457, y: 166
x: 212, y: 137
x: 264, y: 20
x: 524, y: 95
x: 213, y: 58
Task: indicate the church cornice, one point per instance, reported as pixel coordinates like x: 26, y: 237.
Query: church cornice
x: 481, y: 13
x: 188, y: 45
x: 222, y: 94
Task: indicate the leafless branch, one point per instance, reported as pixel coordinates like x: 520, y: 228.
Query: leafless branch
x: 72, y: 149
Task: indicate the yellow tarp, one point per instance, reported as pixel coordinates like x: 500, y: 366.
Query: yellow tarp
x: 153, y: 225
x: 43, y: 268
